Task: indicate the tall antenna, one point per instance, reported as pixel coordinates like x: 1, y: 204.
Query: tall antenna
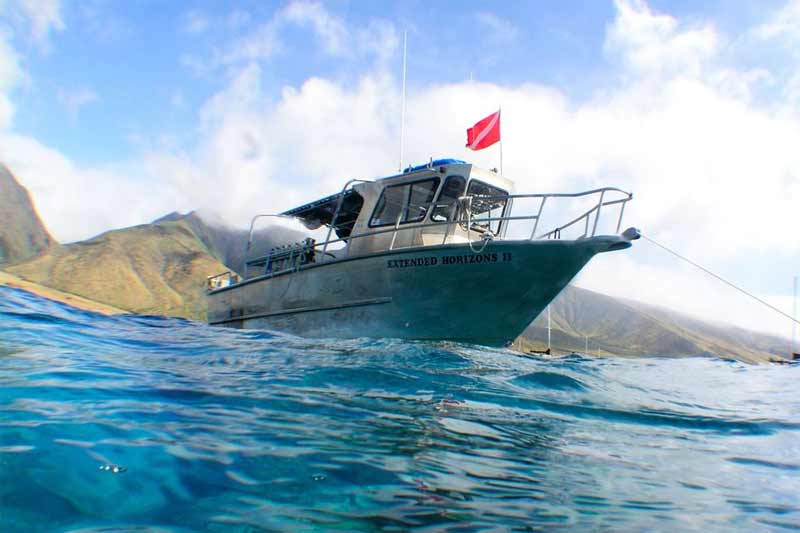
x: 403, y: 104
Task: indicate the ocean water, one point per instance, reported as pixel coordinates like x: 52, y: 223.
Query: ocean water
x: 221, y: 430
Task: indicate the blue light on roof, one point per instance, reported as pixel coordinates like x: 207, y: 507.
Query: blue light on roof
x: 435, y: 163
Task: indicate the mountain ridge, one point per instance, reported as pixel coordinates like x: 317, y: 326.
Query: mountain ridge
x: 22, y: 233
x: 615, y: 326
x: 149, y: 269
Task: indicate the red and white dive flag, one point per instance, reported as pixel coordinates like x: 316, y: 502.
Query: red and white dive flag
x: 484, y: 133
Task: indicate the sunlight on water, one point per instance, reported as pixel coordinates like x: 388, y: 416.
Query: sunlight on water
x: 161, y: 424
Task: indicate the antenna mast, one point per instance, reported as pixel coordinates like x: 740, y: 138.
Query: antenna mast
x: 403, y: 104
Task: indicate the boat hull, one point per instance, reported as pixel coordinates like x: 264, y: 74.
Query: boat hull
x: 433, y: 293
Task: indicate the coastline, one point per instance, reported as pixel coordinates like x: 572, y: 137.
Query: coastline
x: 10, y: 280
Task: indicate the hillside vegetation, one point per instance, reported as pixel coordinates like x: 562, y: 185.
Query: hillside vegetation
x: 155, y: 268
x: 623, y: 327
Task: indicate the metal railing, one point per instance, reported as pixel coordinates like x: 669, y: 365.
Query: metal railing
x: 586, y: 216
x: 464, y: 219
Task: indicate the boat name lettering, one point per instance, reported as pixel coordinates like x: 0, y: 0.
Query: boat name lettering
x: 463, y: 259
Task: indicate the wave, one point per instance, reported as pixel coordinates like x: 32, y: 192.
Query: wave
x: 239, y: 430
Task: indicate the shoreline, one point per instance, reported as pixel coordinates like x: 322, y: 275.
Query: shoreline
x: 10, y: 280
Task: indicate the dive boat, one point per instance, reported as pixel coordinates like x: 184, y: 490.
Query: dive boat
x: 440, y: 251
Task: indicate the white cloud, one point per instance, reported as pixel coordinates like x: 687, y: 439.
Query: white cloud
x: 329, y: 28
x: 77, y: 202
x: 34, y: 19
x: 73, y: 101
x: 10, y: 77
x: 686, y: 150
x: 267, y: 155
x: 784, y: 23
x: 262, y: 43
x: 10, y: 72
x: 781, y: 31
x: 6, y: 111
x: 378, y: 37
x: 39, y: 17
x: 651, y: 44
x: 792, y: 92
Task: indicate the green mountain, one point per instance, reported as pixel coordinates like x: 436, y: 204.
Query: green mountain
x: 156, y: 268
x: 627, y: 328
x: 22, y: 234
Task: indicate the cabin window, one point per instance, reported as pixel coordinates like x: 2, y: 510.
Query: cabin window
x: 405, y: 202
x: 447, y: 203
x: 487, y: 202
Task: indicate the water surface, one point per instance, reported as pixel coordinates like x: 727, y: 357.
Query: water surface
x: 224, y: 430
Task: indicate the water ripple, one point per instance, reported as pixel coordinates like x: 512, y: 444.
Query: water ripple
x: 218, y: 429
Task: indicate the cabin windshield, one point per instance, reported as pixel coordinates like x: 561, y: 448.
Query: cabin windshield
x: 447, y: 203
x: 404, y: 203
x: 488, y: 202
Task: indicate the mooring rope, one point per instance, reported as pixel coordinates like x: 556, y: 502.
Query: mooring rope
x: 720, y: 278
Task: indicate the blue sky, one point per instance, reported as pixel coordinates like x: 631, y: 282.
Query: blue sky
x: 114, y: 113
x: 136, y: 59
x: 122, y: 72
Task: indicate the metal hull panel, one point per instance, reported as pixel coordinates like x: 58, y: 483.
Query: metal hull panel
x: 434, y: 293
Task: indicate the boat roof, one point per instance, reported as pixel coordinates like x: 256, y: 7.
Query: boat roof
x: 320, y: 212
x: 435, y: 163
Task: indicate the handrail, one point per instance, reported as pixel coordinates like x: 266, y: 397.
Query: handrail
x: 252, y: 224
x: 586, y: 216
x: 338, y: 208
x: 592, y: 215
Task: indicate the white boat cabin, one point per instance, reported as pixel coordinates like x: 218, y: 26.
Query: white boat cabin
x: 419, y: 207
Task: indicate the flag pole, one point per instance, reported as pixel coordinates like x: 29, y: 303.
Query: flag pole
x: 500, y: 118
x: 403, y: 104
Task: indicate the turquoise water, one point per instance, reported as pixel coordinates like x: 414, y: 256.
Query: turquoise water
x: 224, y: 430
